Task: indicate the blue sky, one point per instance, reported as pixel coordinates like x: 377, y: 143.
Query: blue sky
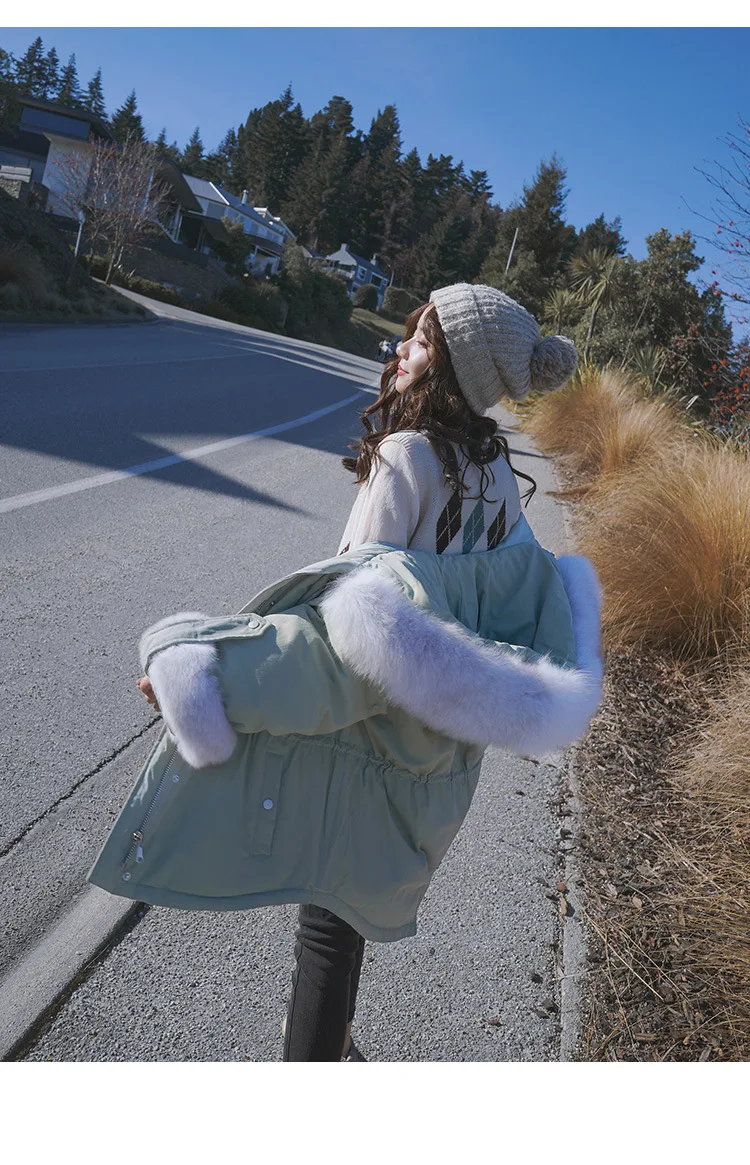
x: 631, y: 111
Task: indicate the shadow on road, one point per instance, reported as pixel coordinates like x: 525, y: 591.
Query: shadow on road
x: 110, y: 411
x: 190, y: 381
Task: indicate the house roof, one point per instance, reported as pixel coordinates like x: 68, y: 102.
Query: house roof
x: 168, y: 171
x: 368, y: 263
x: 356, y: 260
x: 213, y: 192
x: 67, y: 111
x: 245, y: 208
x: 204, y: 189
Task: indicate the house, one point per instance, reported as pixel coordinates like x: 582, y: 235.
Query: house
x: 358, y: 271
x: 217, y: 203
x: 53, y: 141
x: 289, y: 237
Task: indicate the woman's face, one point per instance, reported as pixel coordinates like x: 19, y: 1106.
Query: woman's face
x: 414, y: 357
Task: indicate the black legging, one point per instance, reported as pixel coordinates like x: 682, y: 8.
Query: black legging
x: 324, y: 986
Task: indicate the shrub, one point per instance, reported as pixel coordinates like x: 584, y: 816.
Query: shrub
x: 21, y: 268
x: 366, y: 297
x: 149, y: 288
x: 255, y: 304
x: 11, y: 297
x: 319, y: 306
x: 398, y: 302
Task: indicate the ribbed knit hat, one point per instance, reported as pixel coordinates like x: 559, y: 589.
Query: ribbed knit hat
x: 496, y: 346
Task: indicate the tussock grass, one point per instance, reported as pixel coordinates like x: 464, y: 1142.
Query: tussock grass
x: 713, y: 880
x: 21, y: 268
x: 665, y: 517
x: 671, y: 544
x: 603, y: 424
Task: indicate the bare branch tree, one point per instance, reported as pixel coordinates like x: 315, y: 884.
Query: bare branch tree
x: 115, y: 187
x: 730, y: 213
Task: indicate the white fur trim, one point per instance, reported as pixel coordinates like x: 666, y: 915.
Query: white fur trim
x: 584, y: 593
x: 459, y: 684
x: 188, y: 694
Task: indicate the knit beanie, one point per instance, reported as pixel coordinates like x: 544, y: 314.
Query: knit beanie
x: 496, y: 346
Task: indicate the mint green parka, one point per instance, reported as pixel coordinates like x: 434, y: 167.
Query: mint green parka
x: 324, y: 744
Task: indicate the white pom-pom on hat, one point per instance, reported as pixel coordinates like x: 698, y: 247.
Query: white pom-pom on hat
x: 553, y: 362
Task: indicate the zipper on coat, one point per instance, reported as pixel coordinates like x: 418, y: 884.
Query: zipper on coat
x: 136, y: 848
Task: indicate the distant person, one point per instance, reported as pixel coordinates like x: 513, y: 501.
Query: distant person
x: 324, y: 745
x: 384, y: 348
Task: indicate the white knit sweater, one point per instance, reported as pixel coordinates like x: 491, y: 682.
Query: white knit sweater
x: 408, y: 503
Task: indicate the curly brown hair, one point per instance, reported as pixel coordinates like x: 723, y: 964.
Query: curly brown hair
x: 434, y: 405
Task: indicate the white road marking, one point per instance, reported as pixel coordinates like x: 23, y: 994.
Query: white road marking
x: 20, y: 501
x: 118, y: 364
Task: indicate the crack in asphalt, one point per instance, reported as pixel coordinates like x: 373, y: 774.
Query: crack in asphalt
x: 11, y: 845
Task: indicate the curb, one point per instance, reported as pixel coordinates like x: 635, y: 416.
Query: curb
x: 51, y: 970
x: 574, y: 945
x: 573, y: 935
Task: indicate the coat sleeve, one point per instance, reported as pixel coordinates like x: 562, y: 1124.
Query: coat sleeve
x: 213, y: 681
x: 291, y: 680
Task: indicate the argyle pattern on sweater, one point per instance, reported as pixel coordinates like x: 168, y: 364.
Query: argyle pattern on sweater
x: 409, y: 503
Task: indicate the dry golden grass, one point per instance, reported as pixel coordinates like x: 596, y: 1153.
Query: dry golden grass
x: 671, y: 543
x: 604, y: 425
x: 713, y: 881
x: 21, y: 268
x: 666, y: 521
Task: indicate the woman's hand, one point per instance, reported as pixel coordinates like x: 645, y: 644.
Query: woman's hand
x: 145, y: 685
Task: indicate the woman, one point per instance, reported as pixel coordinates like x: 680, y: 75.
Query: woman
x: 342, y: 726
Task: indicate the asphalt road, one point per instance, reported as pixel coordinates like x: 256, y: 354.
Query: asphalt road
x: 185, y: 464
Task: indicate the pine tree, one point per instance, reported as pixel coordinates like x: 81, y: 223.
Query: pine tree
x: 192, y: 155
x: 599, y: 233
x: 383, y: 147
x: 69, y: 90
x: 30, y: 76
x: 322, y: 200
x: 126, y: 122
x: 543, y: 246
x: 10, y: 112
x: 51, y: 75
x: 170, y: 150
x: 7, y: 67
x: 273, y: 144
x: 223, y: 164
x: 94, y: 98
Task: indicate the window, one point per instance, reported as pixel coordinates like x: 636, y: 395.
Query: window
x: 362, y: 274
x: 377, y: 280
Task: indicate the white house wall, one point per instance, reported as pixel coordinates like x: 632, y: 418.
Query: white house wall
x: 68, y: 166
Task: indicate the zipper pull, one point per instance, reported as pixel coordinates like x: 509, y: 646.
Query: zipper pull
x: 138, y: 837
